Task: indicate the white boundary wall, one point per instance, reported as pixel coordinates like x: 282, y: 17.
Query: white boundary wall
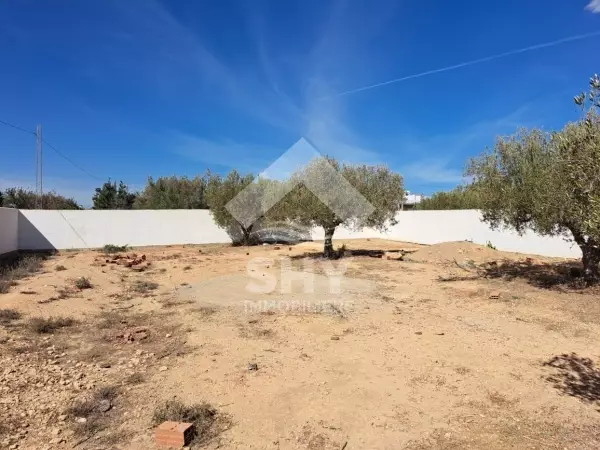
x: 91, y: 229
x: 9, y: 232
x: 43, y: 229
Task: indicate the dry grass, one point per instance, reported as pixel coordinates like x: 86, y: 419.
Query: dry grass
x: 143, y: 287
x: 83, y: 283
x: 135, y: 378
x: 9, y: 315
x: 60, y: 268
x: 15, y: 269
x: 94, y: 409
x: 41, y: 325
x: 208, y: 423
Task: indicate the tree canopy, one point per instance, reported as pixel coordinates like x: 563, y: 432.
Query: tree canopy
x: 173, y: 193
x: 461, y: 197
x: 328, y: 194
x: 548, y: 182
x: 219, y: 192
x: 21, y: 198
x: 111, y: 196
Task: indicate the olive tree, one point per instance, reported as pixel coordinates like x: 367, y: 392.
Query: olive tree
x: 328, y: 194
x: 173, y: 193
x: 547, y: 182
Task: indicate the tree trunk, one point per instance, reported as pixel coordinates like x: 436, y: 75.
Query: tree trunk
x: 591, y: 262
x: 328, y: 251
x: 246, y: 234
x: 591, y: 255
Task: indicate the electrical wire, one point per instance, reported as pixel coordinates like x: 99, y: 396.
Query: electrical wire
x: 57, y: 151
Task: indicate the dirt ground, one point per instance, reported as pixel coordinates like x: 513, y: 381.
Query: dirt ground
x: 456, y: 346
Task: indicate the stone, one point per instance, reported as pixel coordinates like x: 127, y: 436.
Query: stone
x: 104, y: 405
x: 163, y: 368
x: 253, y: 367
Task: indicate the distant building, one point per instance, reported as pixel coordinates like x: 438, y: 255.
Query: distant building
x: 411, y: 201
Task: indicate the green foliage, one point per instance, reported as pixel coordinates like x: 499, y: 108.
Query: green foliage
x: 547, y: 182
x: 26, y: 199
x: 220, y: 191
x: 490, y: 245
x: 111, y: 196
x: 461, y: 197
x: 380, y: 187
x: 174, y: 193
x: 109, y: 249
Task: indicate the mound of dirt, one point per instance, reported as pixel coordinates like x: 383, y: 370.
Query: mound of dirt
x: 461, y: 251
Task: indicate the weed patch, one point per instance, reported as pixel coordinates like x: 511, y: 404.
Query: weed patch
x: 83, y: 283
x: 40, y: 325
x: 9, y: 315
x: 110, y: 249
x: 208, y: 423
x: 143, y: 287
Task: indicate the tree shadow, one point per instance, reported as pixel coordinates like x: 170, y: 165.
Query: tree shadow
x: 568, y: 274
x: 347, y: 252
x: 576, y: 376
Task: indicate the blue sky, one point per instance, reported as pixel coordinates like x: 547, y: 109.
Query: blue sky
x: 134, y: 88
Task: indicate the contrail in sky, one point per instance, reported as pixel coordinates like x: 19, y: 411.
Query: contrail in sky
x: 578, y: 37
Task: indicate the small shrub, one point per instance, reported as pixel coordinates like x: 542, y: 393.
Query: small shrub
x: 340, y: 252
x: 490, y: 245
x: 110, y: 249
x: 187, y: 268
x: 60, y: 268
x: 40, y: 325
x: 83, y: 283
x: 203, y: 416
x: 135, y: 378
x: 143, y: 287
x: 21, y: 267
x: 91, y: 409
x: 8, y: 315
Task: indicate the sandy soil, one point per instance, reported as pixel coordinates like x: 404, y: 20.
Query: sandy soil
x: 456, y: 346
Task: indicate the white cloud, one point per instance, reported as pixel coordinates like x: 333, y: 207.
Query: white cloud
x: 594, y: 6
x: 226, y: 153
x: 432, y: 171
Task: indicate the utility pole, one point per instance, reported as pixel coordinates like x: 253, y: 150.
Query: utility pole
x: 39, y: 172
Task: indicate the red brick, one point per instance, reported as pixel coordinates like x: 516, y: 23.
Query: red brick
x: 173, y: 434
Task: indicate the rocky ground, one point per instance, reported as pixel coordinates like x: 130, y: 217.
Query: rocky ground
x: 446, y: 347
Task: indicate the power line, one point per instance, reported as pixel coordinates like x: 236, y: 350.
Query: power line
x: 16, y: 127
x: 70, y: 160
x: 57, y: 151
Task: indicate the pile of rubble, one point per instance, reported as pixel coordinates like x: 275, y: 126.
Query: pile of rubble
x: 132, y: 261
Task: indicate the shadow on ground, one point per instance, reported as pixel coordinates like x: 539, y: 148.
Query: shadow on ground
x: 576, y: 376
x: 356, y: 252
x: 542, y: 275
